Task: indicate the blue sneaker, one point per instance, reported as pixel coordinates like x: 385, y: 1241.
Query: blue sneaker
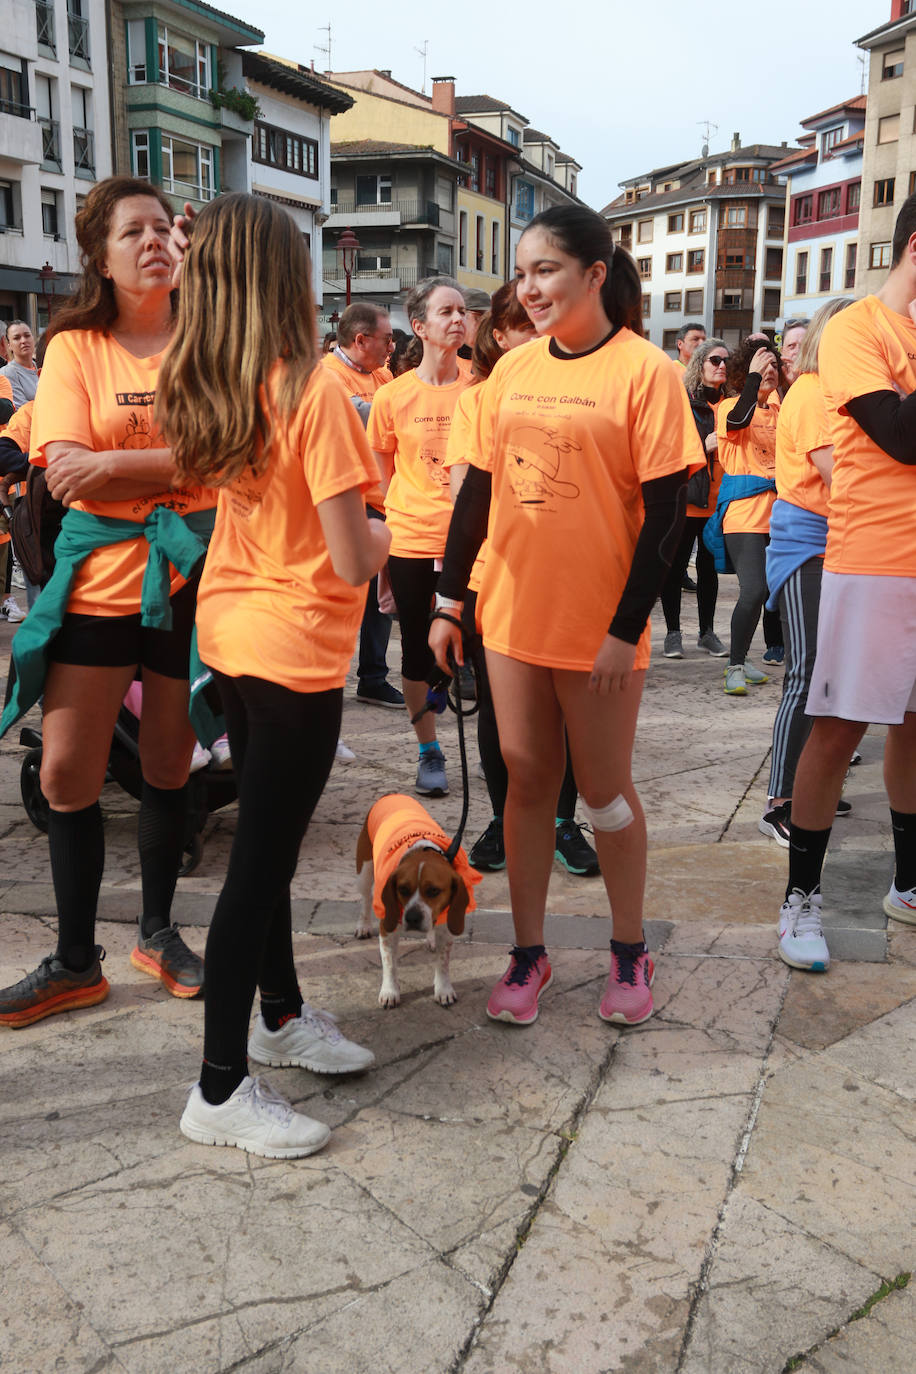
x: 431, y: 779
x: 776, y: 654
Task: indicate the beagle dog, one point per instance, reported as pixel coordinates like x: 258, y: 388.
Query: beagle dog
x: 404, y: 875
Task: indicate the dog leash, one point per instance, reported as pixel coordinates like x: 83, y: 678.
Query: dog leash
x: 438, y: 698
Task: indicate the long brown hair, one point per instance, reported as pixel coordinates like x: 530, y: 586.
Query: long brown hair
x: 245, y: 303
x: 93, y: 306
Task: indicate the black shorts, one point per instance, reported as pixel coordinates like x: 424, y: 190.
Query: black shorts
x: 119, y: 641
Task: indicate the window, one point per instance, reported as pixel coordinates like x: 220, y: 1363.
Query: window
x: 893, y: 64
x: 771, y: 303
x: 524, y: 200
x: 494, y: 248
x: 669, y: 340
x: 849, y: 275
x: 801, y: 274
x: 625, y: 236
x: 646, y: 306
x: 736, y: 216
x: 474, y: 178
x: 675, y: 224
x: 83, y: 138
x: 830, y: 139
x: 889, y: 128
x: 77, y: 31
x: 776, y: 222
x: 645, y: 268
x: 912, y: 183
x: 480, y: 245
x: 828, y: 203
x: 711, y: 177
x: 490, y: 179
x: 275, y: 147
x: 672, y: 300
x: 884, y: 192
x: 444, y: 258
x: 644, y: 231
x: 696, y: 260
x: 853, y: 196
x: 136, y: 52
x: 697, y: 222
x: 772, y: 268
x: 732, y: 300
x: 9, y: 208
x: 463, y: 239
x: 803, y: 210
x: 376, y: 263
x: 826, y: 273
x: 140, y: 154
x: 44, y: 21
x: 184, y: 64
x: 735, y: 260
x: 693, y: 304
x: 187, y: 168
x: 674, y: 262
x: 880, y: 255
x: 513, y: 136
x: 14, y: 98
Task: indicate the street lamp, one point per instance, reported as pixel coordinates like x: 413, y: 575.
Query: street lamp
x: 348, y: 246
x: 47, y: 276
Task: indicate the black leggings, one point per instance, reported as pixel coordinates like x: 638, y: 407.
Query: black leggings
x: 413, y: 585
x: 282, y: 745
x: 748, y: 553
x: 707, y: 578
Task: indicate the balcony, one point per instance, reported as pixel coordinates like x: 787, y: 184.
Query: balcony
x: 78, y: 37
x: 50, y: 145
x: 44, y: 24
x: 84, y: 154
x: 387, y: 280
x: 20, y: 136
x: 347, y: 214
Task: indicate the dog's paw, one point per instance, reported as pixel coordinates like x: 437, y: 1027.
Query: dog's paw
x: 390, y: 995
x: 364, y: 932
x: 444, y: 993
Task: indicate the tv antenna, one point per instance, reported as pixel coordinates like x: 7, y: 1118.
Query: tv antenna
x: 860, y: 58
x: 710, y: 129
x: 423, y: 52
x: 326, y: 28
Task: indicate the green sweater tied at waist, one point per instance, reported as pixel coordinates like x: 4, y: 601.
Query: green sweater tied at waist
x: 180, y: 540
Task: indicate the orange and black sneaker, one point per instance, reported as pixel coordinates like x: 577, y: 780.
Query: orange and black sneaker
x: 52, y: 988
x: 166, y: 956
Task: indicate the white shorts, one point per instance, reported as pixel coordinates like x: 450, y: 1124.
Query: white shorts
x: 866, y: 649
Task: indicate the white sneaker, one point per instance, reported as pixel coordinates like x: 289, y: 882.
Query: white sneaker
x: 801, y: 939
x: 254, y: 1118
x: 310, y: 1041
x: 901, y: 906
x: 200, y: 758
x: 12, y: 610
x: 343, y: 754
x: 219, y: 752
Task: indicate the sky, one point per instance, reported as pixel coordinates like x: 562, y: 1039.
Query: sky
x: 623, y: 87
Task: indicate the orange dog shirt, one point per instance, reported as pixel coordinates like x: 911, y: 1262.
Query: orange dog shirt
x: 395, y: 823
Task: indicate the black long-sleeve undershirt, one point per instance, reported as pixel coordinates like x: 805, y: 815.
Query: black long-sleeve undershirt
x: 665, y: 501
x: 742, y: 412
x: 889, y: 421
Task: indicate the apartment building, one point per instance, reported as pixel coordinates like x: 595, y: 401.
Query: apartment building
x: 889, y: 156
x: 823, y: 180
x: 54, y: 144
x: 707, y: 236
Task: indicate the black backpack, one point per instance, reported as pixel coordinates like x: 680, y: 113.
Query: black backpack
x: 34, y: 526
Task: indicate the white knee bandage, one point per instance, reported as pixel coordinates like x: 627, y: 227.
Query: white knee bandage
x: 615, y: 816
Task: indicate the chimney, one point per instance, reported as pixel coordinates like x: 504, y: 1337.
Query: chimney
x: 736, y: 141
x: 444, y: 95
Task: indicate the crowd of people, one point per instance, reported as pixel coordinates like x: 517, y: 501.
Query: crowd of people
x: 219, y: 468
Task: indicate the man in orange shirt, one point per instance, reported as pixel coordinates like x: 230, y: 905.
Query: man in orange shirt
x: 865, y: 669
x: 358, y: 358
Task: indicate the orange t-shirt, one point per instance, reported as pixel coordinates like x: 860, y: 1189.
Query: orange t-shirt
x: 19, y: 428
x: 803, y: 426
x: 569, y: 440
x: 411, y: 421
x: 95, y: 393
x: 749, y: 452
x: 460, y: 450
x: 270, y: 604
x: 361, y: 384
x: 395, y: 823
x: 872, y: 503
x: 6, y: 391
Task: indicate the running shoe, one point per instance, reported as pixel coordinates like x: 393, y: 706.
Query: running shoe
x: 380, y: 694
x: 687, y: 583
x: 310, y: 1040
x: 674, y: 645
x: 200, y: 758
x: 255, y: 1119
x: 753, y: 675
x: 901, y: 906
x: 431, y: 777
x: 627, y: 999
x: 711, y: 642
x: 801, y: 938
x: 13, y: 611
x: 343, y: 753
x: 515, y: 997
x: 574, y: 851
x: 166, y: 956
x: 843, y: 807
x: 735, y: 681
x: 488, y: 853
x: 856, y: 758
x: 52, y: 988
x: 775, y: 655
x: 222, y: 754
x: 775, y: 823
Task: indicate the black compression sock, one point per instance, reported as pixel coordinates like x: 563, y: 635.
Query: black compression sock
x: 625, y: 951
x: 76, y: 841
x: 904, y: 827
x: 277, y: 1009
x: 807, y: 849
x: 161, y: 834
x: 218, y: 1082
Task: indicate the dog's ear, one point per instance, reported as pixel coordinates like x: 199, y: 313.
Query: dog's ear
x: 457, y: 906
x: 392, y: 917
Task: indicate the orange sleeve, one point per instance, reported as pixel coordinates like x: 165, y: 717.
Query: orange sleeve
x: 61, y: 402
x: 727, y: 444
x: 483, y: 435
x: 6, y: 391
x: 851, y: 356
x: 20, y: 426
x: 663, y: 434
x: 335, y: 454
x: 812, y: 426
x: 462, y: 428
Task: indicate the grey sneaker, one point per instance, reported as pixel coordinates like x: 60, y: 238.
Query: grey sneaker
x: 674, y: 645
x: 431, y: 779
x: 753, y: 675
x: 711, y: 642
x: 308, y: 1041
x: 735, y: 681
x: 254, y: 1118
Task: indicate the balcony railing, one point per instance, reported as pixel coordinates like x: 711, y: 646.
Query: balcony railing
x: 84, y: 151
x: 44, y: 23
x: 78, y: 36
x: 50, y: 142
x: 13, y: 107
x: 411, y: 211
x: 333, y: 275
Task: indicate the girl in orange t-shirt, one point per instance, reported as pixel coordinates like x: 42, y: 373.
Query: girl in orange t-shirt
x: 588, y: 441
x: 247, y: 408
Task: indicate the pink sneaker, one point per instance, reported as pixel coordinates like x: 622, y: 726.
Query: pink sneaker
x: 515, y: 997
x: 627, y: 998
